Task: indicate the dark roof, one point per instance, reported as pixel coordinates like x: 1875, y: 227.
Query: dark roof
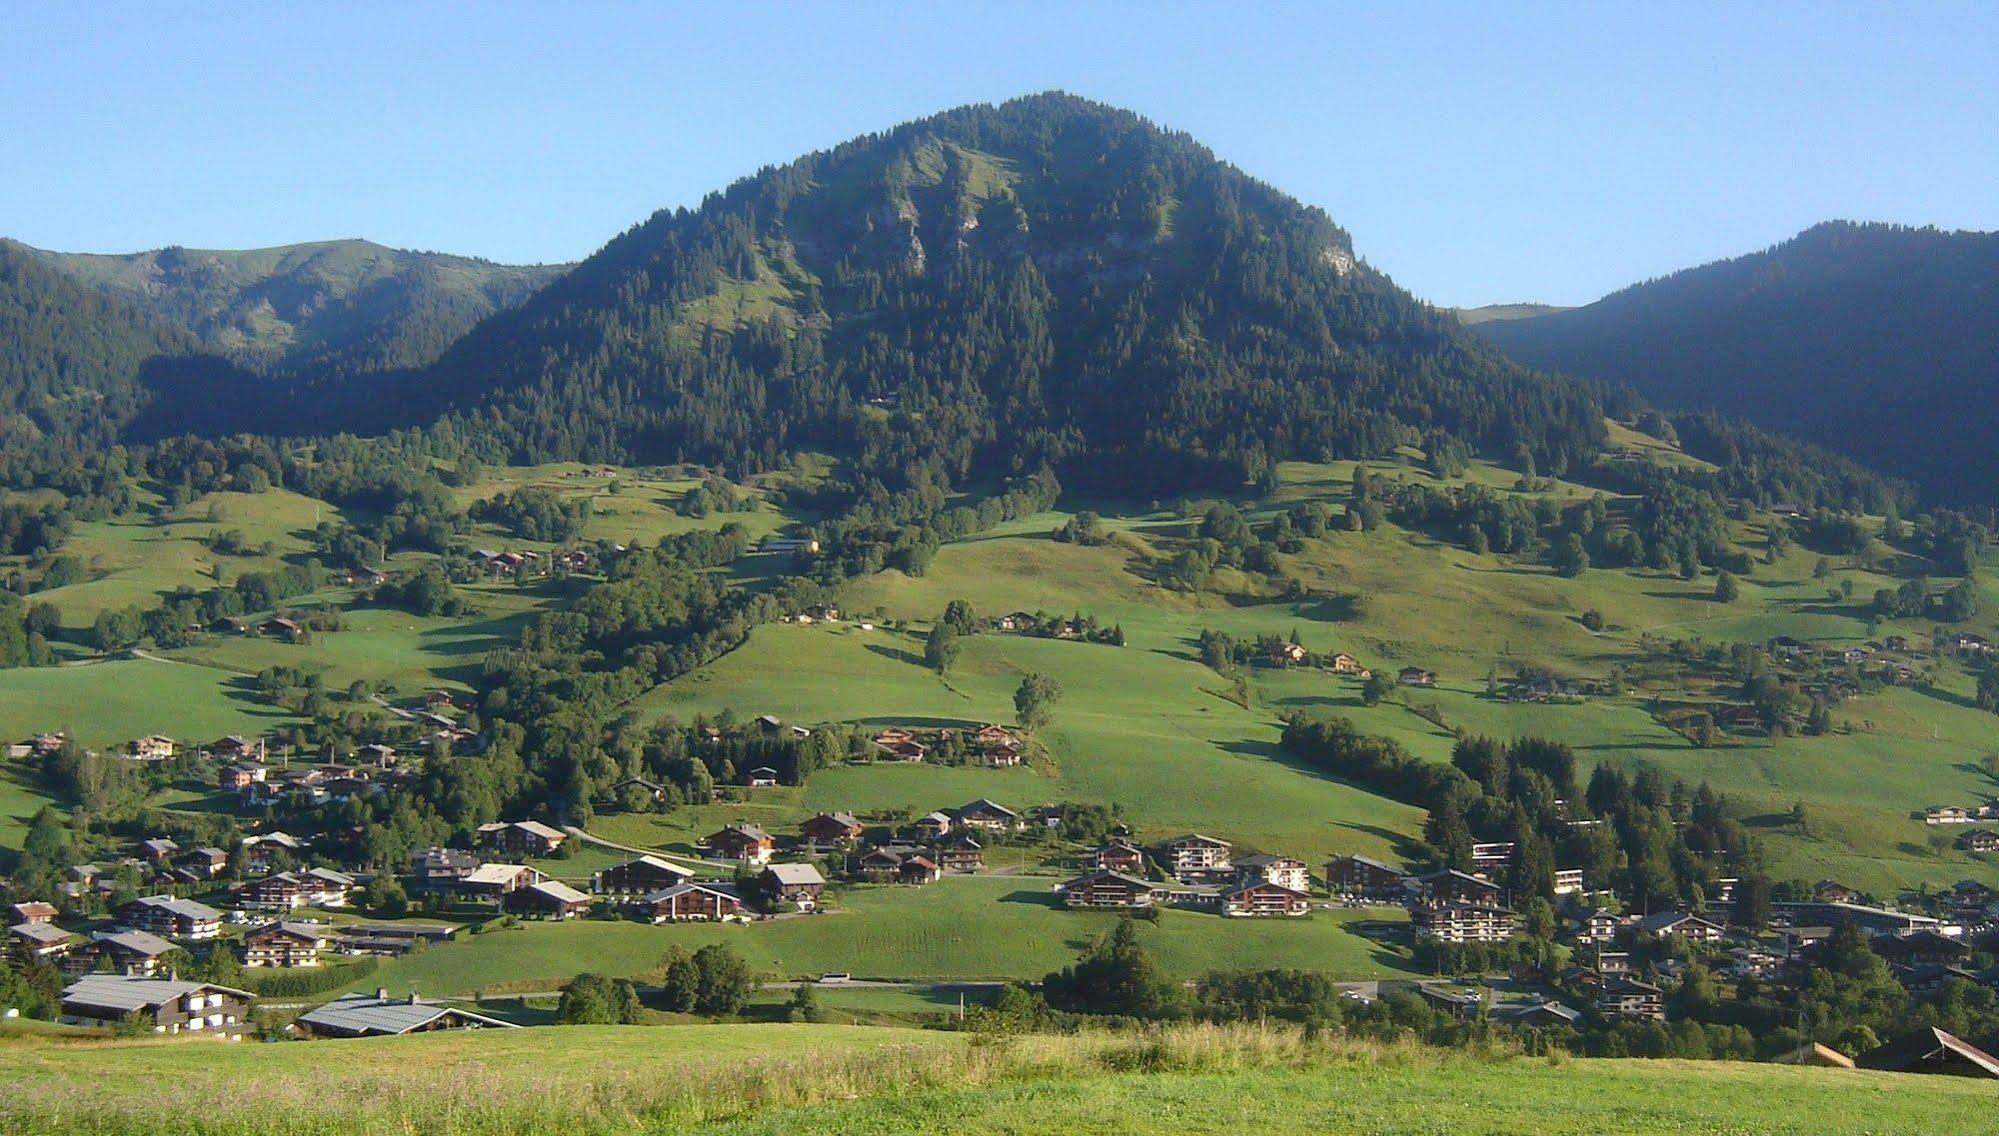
x: 1929, y: 1048
x: 358, y: 1015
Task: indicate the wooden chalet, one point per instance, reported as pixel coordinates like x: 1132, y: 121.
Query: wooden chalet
x: 794, y: 883
x: 549, y: 899
x: 1262, y: 898
x: 831, y: 829
x: 287, y: 945
x: 1108, y: 889
x: 989, y: 815
x: 639, y: 877
x: 1362, y: 878
x: 1285, y: 871
x: 1464, y: 922
x: 689, y: 902
x: 742, y: 841
x: 1118, y: 856
x: 172, y: 918
x: 1192, y: 852
x: 169, y: 1006
x: 521, y: 838
x: 962, y: 855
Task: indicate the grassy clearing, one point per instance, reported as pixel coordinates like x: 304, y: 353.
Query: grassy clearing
x: 976, y: 927
x: 786, y: 1078
x: 103, y: 704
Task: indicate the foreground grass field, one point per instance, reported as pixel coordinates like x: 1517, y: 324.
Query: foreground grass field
x: 959, y: 928
x: 771, y: 1079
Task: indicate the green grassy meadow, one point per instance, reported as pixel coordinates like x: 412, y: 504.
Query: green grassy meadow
x: 750, y: 1079
x: 960, y: 928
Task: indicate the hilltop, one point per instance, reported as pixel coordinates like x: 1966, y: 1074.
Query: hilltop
x: 1048, y: 280
x: 1873, y: 340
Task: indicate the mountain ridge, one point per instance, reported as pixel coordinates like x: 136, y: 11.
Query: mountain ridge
x: 1872, y: 338
x: 345, y: 306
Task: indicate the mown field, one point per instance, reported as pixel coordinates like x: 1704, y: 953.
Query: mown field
x: 976, y: 927
x: 787, y: 1078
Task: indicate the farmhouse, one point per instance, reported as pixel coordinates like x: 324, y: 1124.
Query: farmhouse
x: 762, y: 777
x: 171, y: 1007
x: 279, y: 627
x: 1345, y: 664
x: 642, y: 876
x: 1108, y: 889
x: 362, y: 1015
x: 1358, y: 877
x: 173, y: 918
x: 285, y: 944
x: 392, y: 938
x: 1284, y: 871
x: 689, y: 902
x: 794, y: 883
x: 549, y: 899
x: 742, y: 841
x: 1263, y: 898
x: 204, y: 863
x: 1416, y: 676
x: 1464, y: 922
x: 932, y: 825
x: 1190, y: 853
x: 831, y: 829
x: 521, y: 838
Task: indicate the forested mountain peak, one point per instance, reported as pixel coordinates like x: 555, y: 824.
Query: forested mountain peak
x: 1873, y: 339
x: 344, y: 306
x: 1045, y: 280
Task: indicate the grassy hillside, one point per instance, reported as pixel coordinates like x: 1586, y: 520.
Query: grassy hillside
x: 959, y: 928
x: 775, y: 1078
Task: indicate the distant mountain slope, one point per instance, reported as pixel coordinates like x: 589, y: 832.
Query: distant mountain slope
x: 994, y: 287
x: 345, y: 307
x: 1879, y: 341
x: 1489, y: 313
x: 74, y: 363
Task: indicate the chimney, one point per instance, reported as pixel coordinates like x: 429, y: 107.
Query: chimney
x: 381, y: 993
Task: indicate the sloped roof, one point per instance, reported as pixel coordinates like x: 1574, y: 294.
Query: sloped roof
x: 1928, y: 1046
x: 137, y: 942
x: 118, y: 992
x: 792, y: 875
x: 686, y: 886
x: 558, y: 891
x: 367, y: 1014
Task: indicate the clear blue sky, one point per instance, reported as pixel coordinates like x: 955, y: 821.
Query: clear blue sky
x: 1477, y: 154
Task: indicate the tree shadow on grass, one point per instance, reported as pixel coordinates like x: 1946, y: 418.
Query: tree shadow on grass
x: 1399, y: 843
x: 1945, y: 696
x: 895, y: 653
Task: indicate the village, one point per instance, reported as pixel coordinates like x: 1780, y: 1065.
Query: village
x: 123, y: 933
